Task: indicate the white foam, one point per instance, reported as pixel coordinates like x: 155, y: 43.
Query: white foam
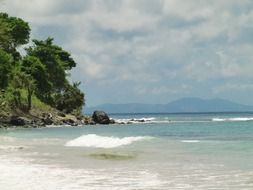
x: 22, y: 174
x: 141, y: 120
x: 148, y: 118
x: 233, y: 119
x: 7, y: 139
x: 12, y: 148
x: 93, y: 140
x: 190, y: 141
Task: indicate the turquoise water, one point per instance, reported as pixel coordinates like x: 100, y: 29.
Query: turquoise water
x: 167, y: 151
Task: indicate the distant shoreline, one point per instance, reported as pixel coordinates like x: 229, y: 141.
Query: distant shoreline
x: 183, y: 105
x: 176, y: 113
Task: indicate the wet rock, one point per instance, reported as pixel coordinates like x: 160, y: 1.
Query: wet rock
x: 100, y: 117
x: 112, y: 121
x: 92, y: 123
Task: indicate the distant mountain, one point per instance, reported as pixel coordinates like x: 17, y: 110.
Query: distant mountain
x: 178, y: 106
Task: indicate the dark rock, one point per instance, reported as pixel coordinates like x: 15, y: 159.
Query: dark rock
x: 47, y: 121
x: 89, y: 122
x: 4, y: 120
x: 79, y: 117
x: 36, y: 122
x: 69, y: 121
x: 100, y: 117
x: 112, y: 121
x: 17, y: 121
x: 92, y: 123
x: 47, y: 115
x: 86, y: 122
x: 61, y: 114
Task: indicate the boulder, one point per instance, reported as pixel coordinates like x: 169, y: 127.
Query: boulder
x: 47, y: 118
x: 100, y: 117
x: 47, y: 121
x: 17, y: 121
x: 69, y: 121
x: 61, y: 114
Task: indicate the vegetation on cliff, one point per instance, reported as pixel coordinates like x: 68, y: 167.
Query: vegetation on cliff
x: 37, y: 79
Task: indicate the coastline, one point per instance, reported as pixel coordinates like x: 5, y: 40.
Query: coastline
x: 37, y: 119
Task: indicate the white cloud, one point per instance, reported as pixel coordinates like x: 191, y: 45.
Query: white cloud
x: 149, y: 41
x: 233, y: 88
x: 188, y: 10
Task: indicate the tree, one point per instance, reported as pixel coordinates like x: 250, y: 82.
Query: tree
x: 32, y: 66
x: 41, y: 72
x: 26, y: 81
x: 5, y: 36
x: 56, y: 62
x: 55, y: 59
x: 5, y: 68
x: 14, y: 32
x: 71, y: 99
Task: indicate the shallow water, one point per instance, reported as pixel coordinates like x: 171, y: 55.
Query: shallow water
x: 168, y: 151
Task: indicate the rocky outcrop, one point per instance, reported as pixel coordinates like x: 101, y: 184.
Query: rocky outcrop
x: 47, y: 118
x: 22, y: 121
x: 42, y: 119
x: 17, y: 121
x: 39, y: 120
x: 101, y: 117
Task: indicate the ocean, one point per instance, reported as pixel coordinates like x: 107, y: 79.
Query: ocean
x: 164, y: 151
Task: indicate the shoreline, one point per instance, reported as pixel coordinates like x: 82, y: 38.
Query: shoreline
x: 26, y: 120
x: 38, y: 119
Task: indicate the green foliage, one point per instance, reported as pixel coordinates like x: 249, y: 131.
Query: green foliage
x: 25, y: 81
x: 5, y: 36
x: 55, y: 59
x: 70, y: 99
x: 32, y: 66
x: 14, y: 32
x: 57, y: 62
x: 40, y: 76
x: 5, y: 68
x: 39, y: 105
x: 14, y: 98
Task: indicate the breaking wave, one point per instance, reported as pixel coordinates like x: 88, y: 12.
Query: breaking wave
x: 137, y: 120
x: 233, y: 119
x: 93, y: 140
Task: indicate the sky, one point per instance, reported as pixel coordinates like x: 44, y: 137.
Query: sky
x: 150, y: 51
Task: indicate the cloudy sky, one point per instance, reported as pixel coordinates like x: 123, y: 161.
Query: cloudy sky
x: 150, y: 51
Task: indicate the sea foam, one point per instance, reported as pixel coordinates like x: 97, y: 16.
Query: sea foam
x: 93, y: 140
x: 136, y: 120
x: 234, y: 119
